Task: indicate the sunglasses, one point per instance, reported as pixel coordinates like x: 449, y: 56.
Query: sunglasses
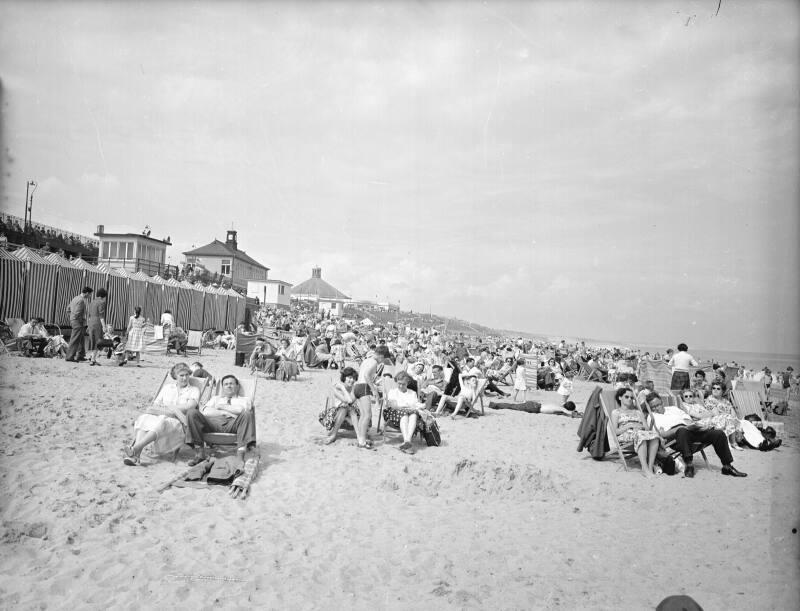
x: 688, y: 396
x: 716, y: 388
x: 627, y: 396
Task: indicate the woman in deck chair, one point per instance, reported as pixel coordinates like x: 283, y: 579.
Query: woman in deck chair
x: 629, y: 426
x: 402, y: 411
x: 342, y: 406
x: 165, y: 427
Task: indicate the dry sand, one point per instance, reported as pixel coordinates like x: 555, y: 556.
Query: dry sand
x: 505, y: 515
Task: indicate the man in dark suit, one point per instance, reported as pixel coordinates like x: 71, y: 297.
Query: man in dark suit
x: 77, y: 320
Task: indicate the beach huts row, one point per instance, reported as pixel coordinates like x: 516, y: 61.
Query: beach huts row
x: 35, y: 285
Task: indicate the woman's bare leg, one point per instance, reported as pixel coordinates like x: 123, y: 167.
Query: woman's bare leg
x: 641, y: 452
x: 341, y: 414
x: 652, y: 451
x: 143, y: 438
x: 457, y: 408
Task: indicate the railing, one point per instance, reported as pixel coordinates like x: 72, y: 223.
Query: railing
x: 137, y: 264
x: 10, y: 220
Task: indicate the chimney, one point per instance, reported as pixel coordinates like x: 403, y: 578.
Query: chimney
x: 230, y: 240
x: 316, y: 272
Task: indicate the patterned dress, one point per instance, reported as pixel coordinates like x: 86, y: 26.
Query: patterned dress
x: 724, y: 417
x: 407, y: 403
x: 633, y: 436
x: 135, y: 341
x: 327, y: 416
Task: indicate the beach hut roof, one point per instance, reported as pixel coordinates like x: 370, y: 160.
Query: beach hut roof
x: 140, y: 275
x: 26, y: 254
x: 59, y: 260
x: 318, y: 287
x: 111, y: 271
x: 80, y: 263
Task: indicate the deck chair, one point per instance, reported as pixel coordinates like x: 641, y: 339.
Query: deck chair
x: 247, y: 388
x: 202, y: 385
x: 746, y: 403
x: 589, y: 374
x: 531, y: 374
x: 387, y: 383
x: 12, y: 344
x: 608, y: 403
x: 669, y: 446
x: 194, y: 342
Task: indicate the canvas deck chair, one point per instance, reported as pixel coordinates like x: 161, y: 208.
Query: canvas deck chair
x: 247, y: 388
x: 746, y: 403
x: 669, y: 446
x: 387, y: 384
x: 12, y: 344
x: 531, y: 374
x: 202, y: 385
x: 609, y: 404
x: 194, y: 342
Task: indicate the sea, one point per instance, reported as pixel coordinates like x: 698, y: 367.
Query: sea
x: 752, y: 360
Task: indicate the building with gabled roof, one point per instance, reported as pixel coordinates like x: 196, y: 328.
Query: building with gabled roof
x: 226, y: 259
x: 316, y: 289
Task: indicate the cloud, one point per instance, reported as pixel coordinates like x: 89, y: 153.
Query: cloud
x: 96, y: 181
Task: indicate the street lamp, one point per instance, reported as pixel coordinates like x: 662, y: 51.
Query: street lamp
x: 29, y: 202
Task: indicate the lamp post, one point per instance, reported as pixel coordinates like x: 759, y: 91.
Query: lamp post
x: 29, y: 202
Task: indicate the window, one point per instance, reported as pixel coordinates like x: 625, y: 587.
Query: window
x: 129, y: 250
x: 105, y: 250
x: 225, y: 268
x: 281, y: 289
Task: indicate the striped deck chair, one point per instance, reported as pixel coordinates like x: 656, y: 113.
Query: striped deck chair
x: 247, y: 388
x: 746, y: 403
x: 194, y: 342
x: 609, y: 403
x: 531, y: 373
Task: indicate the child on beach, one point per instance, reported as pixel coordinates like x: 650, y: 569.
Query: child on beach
x: 565, y: 387
x: 337, y: 352
x: 519, y: 380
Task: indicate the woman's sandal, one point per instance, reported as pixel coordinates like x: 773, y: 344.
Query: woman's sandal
x: 131, y: 459
x: 367, y: 445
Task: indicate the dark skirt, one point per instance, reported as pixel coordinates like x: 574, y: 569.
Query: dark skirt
x: 680, y: 380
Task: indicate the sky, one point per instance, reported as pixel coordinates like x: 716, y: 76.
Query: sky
x: 614, y: 170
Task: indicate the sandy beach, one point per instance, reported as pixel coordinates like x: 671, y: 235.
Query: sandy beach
x: 505, y: 514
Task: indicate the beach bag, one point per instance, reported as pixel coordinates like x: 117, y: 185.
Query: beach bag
x: 780, y: 408
x: 432, y: 435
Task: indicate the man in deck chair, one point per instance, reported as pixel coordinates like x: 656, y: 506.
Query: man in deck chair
x: 224, y: 413
x: 673, y: 422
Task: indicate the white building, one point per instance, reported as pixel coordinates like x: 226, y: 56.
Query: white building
x: 271, y: 292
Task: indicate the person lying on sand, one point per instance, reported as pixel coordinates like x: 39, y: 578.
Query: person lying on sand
x: 534, y: 407
x: 165, y: 426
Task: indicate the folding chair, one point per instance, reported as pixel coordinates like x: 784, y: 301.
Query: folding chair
x: 608, y: 403
x: 247, y: 388
x: 202, y: 385
x: 669, y: 446
x: 388, y: 384
x: 194, y: 342
x: 746, y: 403
x: 531, y: 374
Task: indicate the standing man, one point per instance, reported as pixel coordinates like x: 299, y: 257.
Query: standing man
x: 366, y: 391
x: 77, y: 320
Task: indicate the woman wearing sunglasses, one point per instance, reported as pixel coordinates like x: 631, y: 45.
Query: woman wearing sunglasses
x: 629, y: 426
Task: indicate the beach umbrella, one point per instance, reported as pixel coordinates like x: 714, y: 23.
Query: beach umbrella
x: 69, y: 285
x: 40, y: 284
x: 154, y: 302
x: 117, y: 303
x: 12, y: 285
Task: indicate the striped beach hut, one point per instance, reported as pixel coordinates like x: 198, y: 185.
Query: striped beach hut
x: 92, y: 276
x: 137, y: 292
x: 12, y: 285
x: 70, y: 283
x: 233, y: 303
x: 196, y: 307
x: 154, y: 304
x: 170, y: 302
x: 222, y: 308
x: 209, y: 306
x: 40, y: 284
x: 117, y: 303
x: 182, y: 309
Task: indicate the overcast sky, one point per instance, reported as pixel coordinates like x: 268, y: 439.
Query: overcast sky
x: 619, y: 170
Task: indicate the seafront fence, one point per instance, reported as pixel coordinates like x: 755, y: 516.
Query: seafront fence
x: 33, y: 285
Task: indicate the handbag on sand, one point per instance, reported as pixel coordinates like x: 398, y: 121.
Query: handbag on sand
x: 432, y: 435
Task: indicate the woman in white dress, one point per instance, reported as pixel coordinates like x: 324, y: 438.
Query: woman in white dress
x: 165, y: 426
x: 135, y: 340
